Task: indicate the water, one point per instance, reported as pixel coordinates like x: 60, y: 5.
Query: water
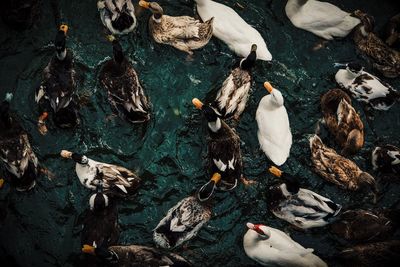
x: 41, y: 227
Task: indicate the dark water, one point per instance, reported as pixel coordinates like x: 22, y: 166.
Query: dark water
x: 41, y: 228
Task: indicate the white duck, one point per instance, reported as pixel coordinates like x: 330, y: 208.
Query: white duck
x: 117, y: 15
x: 321, y: 18
x: 271, y: 247
x: 229, y: 27
x: 274, y: 133
x: 366, y: 87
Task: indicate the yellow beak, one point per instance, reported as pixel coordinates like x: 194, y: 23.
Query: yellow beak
x: 110, y: 38
x: 66, y: 154
x: 1, y: 182
x: 64, y: 28
x: 216, y: 177
x: 144, y: 4
x: 88, y: 249
x: 268, y: 86
x: 197, y: 103
x: 275, y: 171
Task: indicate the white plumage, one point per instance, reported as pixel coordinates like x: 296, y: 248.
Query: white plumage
x: 110, y: 12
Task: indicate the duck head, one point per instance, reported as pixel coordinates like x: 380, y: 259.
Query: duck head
x: 78, y: 158
x: 260, y: 229
x: 155, y: 8
x: 292, y: 184
x: 102, y: 253
x: 206, y: 191
x: 214, y: 122
x: 276, y: 96
x: 249, y: 62
x: 366, y: 180
x: 60, y: 41
x: 99, y: 200
x: 118, y: 53
x: 367, y: 22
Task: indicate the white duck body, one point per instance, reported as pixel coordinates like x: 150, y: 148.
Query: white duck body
x: 229, y: 27
x: 274, y: 133
x: 278, y: 249
x: 321, y: 18
x: 110, y: 10
x: 367, y: 88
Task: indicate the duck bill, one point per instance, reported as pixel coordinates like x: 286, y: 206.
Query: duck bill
x: 197, y: 103
x: 207, y: 190
x: 275, y: 171
x: 268, y: 86
x: 66, y: 154
x: 216, y: 178
x: 64, y: 28
x: 1, y: 183
x: 88, y: 249
x: 144, y: 4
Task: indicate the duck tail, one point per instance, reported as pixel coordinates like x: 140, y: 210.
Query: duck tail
x: 206, y: 29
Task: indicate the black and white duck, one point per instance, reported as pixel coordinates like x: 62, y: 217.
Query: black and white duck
x: 125, y: 93
x: 15, y: 150
x: 386, y: 158
x: 118, y: 16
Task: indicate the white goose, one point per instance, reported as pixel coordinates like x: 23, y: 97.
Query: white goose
x: 321, y: 18
x: 274, y: 133
x: 271, y: 247
x: 229, y: 27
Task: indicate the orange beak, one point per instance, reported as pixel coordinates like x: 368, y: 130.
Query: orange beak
x: 197, y: 103
x: 1, y: 182
x: 88, y: 249
x: 64, y: 28
x: 268, y: 86
x: 66, y: 154
x: 275, y: 171
x: 216, y: 177
x: 144, y: 4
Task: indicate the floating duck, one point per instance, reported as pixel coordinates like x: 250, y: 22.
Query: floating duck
x: 182, y: 222
x: 271, y: 247
x: 184, y: 33
x: 232, y: 97
x: 134, y: 255
x: 301, y: 207
x: 338, y: 169
x: 392, y: 31
x: 365, y: 225
x: 15, y: 150
x: 230, y: 28
x: 274, y: 133
x: 116, y: 180
x: 342, y: 121
x: 321, y: 18
x: 386, y: 158
x: 58, y: 87
x: 118, y: 16
x: 366, y: 87
x: 125, y: 93
x: 386, y: 60
x: 386, y: 253
x: 224, y: 153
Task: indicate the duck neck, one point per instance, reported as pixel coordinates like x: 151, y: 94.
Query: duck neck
x: 157, y: 17
x: 215, y: 125
x: 61, y: 54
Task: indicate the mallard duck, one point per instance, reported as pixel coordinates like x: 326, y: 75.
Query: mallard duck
x: 271, y: 247
x: 125, y: 93
x: 392, y: 31
x: 230, y: 28
x: 58, y: 86
x: 232, y: 97
x: 16, y: 151
x: 342, y: 121
x: 386, y: 158
x: 321, y: 18
x: 116, y: 180
x: 301, y: 207
x: 365, y: 226
x: 385, y: 253
x: 134, y: 255
x: 274, y: 133
x: 365, y: 87
x: 118, y: 16
x: 338, y: 169
x: 182, y: 222
x: 386, y: 60
x: 184, y: 33
x: 224, y: 154
x: 20, y: 14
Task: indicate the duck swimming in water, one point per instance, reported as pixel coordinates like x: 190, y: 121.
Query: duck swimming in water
x: 301, y: 207
x: 386, y: 158
x: 117, y: 15
x: 182, y: 222
x: 183, y: 32
x: 365, y: 87
x: 57, y: 91
x: 15, y: 150
x: 125, y: 92
x: 342, y: 120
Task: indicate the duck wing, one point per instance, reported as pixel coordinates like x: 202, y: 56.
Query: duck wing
x: 117, y: 176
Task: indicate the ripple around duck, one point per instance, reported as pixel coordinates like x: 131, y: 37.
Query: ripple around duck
x: 41, y: 228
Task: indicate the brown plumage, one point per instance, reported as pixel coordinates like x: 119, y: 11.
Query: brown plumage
x: 392, y: 31
x: 386, y: 60
x: 342, y: 121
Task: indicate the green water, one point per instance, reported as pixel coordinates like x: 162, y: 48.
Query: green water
x: 40, y: 228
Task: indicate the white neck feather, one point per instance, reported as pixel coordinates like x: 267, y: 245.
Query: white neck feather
x: 156, y: 20
x: 215, y: 126
x: 62, y: 55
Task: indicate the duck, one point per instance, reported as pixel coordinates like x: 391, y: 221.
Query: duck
x: 321, y: 18
x: 182, y: 32
x: 224, y: 153
x: 271, y: 247
x: 365, y: 87
x: 135, y: 255
x: 230, y: 28
x: 182, y: 222
x: 118, y: 16
x: 386, y: 60
x: 16, y: 152
x: 116, y: 180
x: 342, y: 120
x: 392, y: 31
x: 57, y: 91
x: 339, y: 170
x: 125, y: 93
x: 232, y: 97
x: 385, y: 253
x: 274, y: 134
x: 386, y: 158
x: 300, y: 207
x: 366, y: 225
